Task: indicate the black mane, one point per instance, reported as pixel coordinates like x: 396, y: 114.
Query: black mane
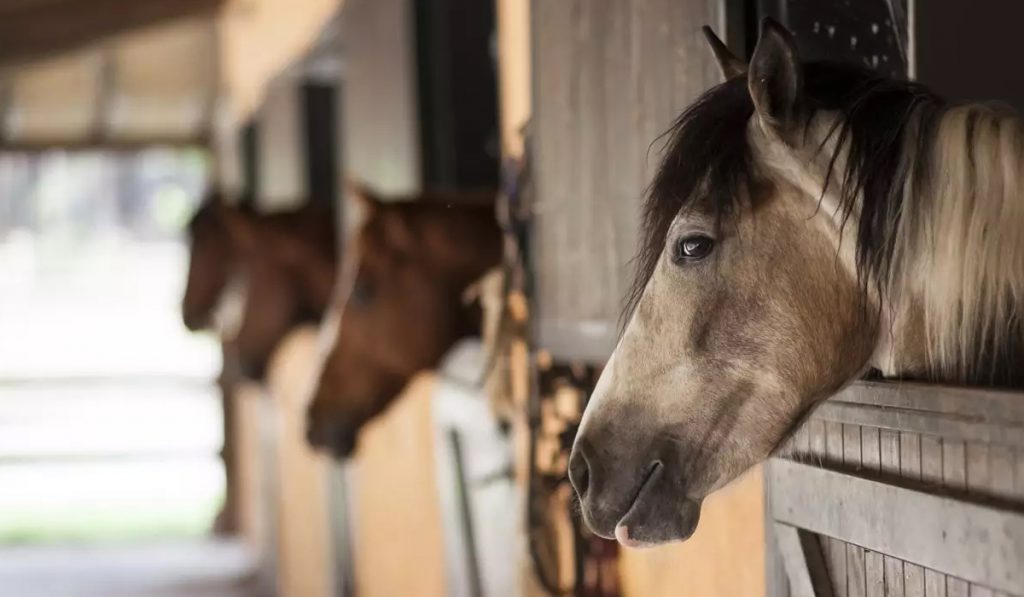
x: 708, y: 162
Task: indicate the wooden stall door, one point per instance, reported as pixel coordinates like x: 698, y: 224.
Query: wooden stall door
x: 398, y: 538
x: 305, y: 558
x: 902, y: 490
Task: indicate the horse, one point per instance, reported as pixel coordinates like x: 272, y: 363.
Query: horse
x: 282, y: 265
x: 399, y: 305
x: 810, y: 223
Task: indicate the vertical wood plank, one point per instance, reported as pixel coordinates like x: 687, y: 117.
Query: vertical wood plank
x: 889, y: 451
x: 855, y: 573
x: 835, y: 550
x: 931, y: 473
x: 874, y: 573
x: 910, y: 468
x: 1001, y: 479
x: 954, y: 476
x: 1001, y: 465
x: 874, y: 569
x: 816, y: 430
x: 934, y: 583
x: 978, y: 482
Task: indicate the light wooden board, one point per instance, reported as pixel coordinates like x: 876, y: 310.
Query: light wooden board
x: 978, y: 543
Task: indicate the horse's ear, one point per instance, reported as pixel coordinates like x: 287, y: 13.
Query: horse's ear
x: 361, y: 204
x: 362, y: 196
x: 775, y: 78
x: 728, y: 63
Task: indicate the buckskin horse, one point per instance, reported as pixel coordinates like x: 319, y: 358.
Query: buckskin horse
x: 399, y: 304
x: 809, y: 222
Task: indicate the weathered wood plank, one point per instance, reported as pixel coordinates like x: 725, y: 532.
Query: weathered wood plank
x: 1001, y: 465
x: 954, y: 464
x: 910, y: 468
x: 982, y: 404
x: 933, y: 423
x: 874, y: 573
x: 956, y: 587
x: 934, y: 584
x: 871, y: 460
x: 931, y: 473
x: 835, y: 550
x: 978, y: 543
x: 852, y: 458
x: 804, y: 562
x: 889, y: 446
x: 816, y: 429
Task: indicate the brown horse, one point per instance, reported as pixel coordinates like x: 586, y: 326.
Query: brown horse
x: 400, y: 305
x: 281, y: 264
x: 809, y: 222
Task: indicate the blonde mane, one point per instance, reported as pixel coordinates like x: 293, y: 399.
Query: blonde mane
x: 960, y: 240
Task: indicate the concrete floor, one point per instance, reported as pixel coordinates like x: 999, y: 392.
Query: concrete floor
x: 176, y: 569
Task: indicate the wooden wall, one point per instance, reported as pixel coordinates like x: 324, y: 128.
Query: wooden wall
x: 609, y: 77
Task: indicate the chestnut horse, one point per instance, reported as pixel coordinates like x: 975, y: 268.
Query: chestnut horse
x: 282, y: 265
x: 400, y: 304
x: 279, y: 267
x: 809, y: 222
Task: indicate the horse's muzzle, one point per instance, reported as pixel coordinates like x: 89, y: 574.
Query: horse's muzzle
x: 338, y: 439
x: 638, y: 501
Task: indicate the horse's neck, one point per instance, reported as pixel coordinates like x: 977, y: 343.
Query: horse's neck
x: 959, y: 256
x: 476, y: 246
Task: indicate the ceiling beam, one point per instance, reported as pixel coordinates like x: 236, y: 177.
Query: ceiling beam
x: 37, y: 29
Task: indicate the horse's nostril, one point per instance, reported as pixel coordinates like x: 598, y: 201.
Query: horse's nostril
x: 579, y: 473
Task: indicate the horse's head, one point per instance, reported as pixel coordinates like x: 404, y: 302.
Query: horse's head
x: 748, y: 309
x: 285, y: 274
x: 210, y: 262
x: 399, y: 307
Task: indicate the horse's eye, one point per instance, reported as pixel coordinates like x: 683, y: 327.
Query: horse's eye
x: 693, y: 248
x: 362, y: 293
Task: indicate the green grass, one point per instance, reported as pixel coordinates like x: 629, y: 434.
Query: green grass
x: 33, y: 525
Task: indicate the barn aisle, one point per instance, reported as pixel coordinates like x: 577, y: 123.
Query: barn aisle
x: 193, y: 568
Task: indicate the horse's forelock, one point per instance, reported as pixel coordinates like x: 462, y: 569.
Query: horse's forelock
x: 707, y: 161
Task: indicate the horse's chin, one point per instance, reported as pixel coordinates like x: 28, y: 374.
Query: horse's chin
x: 659, y: 513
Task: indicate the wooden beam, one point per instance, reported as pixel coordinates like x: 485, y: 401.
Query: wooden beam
x: 804, y: 562
x: 32, y: 31
x: 938, y: 424
x: 980, y: 403
x: 977, y: 543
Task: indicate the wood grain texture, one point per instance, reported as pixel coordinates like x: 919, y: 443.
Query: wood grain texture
x: 981, y: 544
x: 608, y: 78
